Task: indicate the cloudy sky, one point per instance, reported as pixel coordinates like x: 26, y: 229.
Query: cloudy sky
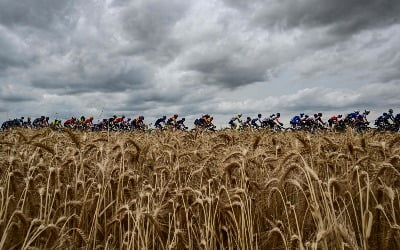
x: 155, y: 57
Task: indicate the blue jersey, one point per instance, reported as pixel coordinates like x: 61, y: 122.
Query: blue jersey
x: 352, y: 115
x: 360, y: 117
x: 296, y: 119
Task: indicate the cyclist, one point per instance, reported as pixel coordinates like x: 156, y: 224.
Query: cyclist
x: 276, y: 118
x: 202, y: 121
x: 198, y: 123
x: 297, y: 120
x: 172, y: 121
x: 334, y: 120
x: 318, y: 120
x: 390, y: 115
x: 138, y: 123
x: 101, y: 125
x: 233, y: 119
x: 254, y: 121
x: 209, y: 123
x: 267, y: 121
x: 119, y: 120
x: 397, y: 119
x: 383, y: 121
x: 361, y: 120
x: 38, y: 122
x: 308, y: 121
x: 351, y: 118
x: 81, y: 120
x: 365, y: 114
x: 181, y: 124
x: 159, y: 121
x: 70, y: 123
x: 28, y: 123
x: 88, y: 123
x: 247, y: 123
x: 5, y: 125
x: 55, y: 124
x: 46, y: 122
x: 18, y: 122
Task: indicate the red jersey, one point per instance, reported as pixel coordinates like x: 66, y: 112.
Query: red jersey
x: 334, y: 118
x: 118, y: 120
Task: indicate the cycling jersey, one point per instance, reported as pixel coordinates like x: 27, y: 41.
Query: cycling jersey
x: 70, y: 121
x: 296, y: 120
x: 119, y: 119
x: 159, y: 121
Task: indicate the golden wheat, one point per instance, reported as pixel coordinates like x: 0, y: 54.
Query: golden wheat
x: 197, y: 190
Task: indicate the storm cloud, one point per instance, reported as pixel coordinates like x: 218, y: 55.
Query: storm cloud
x: 155, y: 57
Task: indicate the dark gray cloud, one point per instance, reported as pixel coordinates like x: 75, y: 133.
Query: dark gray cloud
x: 41, y: 14
x: 228, y: 72
x: 342, y: 17
x: 17, y: 98
x: 11, y: 51
x: 7, y: 62
x: 148, y: 26
x: 102, y: 80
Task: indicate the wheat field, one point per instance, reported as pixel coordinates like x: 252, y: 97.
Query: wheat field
x: 196, y: 190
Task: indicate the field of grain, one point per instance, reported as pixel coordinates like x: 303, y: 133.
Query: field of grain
x: 225, y: 190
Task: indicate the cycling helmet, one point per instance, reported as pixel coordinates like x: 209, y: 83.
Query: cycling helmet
x: 239, y: 115
x: 141, y: 117
x: 114, y: 116
x: 175, y: 115
x: 357, y: 111
x: 248, y: 118
x: 301, y: 114
x: 390, y: 111
x: 259, y: 115
x: 278, y: 114
x: 319, y: 114
x: 306, y: 116
x: 367, y: 112
x: 183, y: 119
x: 385, y: 114
x: 340, y: 116
x: 164, y: 117
x: 22, y: 117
